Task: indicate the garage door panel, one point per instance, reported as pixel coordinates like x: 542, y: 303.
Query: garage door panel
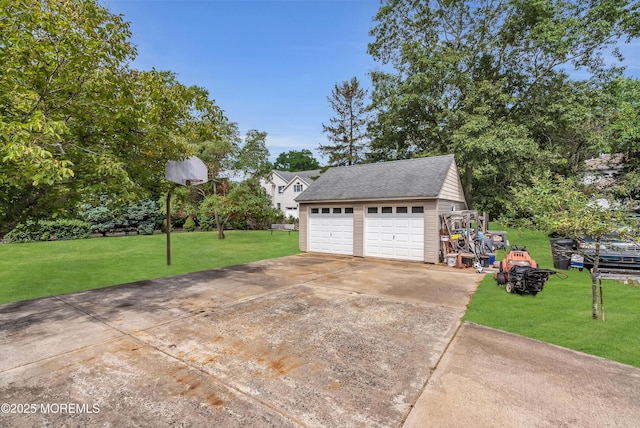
x: 387, y: 250
x: 402, y: 223
x: 402, y: 238
x: 387, y: 223
x: 397, y: 236
x: 331, y: 233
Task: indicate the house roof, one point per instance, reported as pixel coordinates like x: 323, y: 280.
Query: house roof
x: 606, y: 162
x: 412, y: 178
x: 306, y: 176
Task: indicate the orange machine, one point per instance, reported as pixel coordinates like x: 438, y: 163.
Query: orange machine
x: 517, y: 256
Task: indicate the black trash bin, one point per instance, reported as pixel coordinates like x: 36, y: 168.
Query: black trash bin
x: 561, y: 250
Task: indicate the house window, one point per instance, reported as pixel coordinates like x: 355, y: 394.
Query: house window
x: 337, y: 210
x: 280, y: 189
x: 315, y: 210
x: 348, y: 210
x: 326, y: 211
x: 372, y: 210
x: 387, y: 210
x: 401, y: 210
x: 278, y: 205
x: 417, y: 210
x: 297, y: 187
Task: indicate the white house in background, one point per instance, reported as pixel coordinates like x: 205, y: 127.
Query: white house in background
x: 284, y: 186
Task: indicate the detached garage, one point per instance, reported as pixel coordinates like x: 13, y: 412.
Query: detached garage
x: 389, y: 210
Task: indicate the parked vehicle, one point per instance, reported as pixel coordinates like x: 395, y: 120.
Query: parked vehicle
x: 615, y: 253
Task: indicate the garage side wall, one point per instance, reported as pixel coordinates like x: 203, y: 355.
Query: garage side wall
x: 431, y: 232
x: 452, y: 187
x: 447, y: 206
x: 303, y: 226
x: 358, y: 230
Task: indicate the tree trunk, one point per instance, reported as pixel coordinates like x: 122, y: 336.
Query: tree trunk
x: 467, y: 186
x: 594, y: 280
x: 219, y: 225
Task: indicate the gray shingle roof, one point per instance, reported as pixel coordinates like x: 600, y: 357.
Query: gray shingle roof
x: 419, y: 178
x: 307, y: 176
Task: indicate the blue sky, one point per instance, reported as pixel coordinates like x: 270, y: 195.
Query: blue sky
x: 269, y: 64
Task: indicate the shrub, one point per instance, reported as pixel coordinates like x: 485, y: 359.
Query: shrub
x: 143, y: 216
x: 163, y: 226
x: 49, y: 231
x: 189, y: 225
x: 24, y: 232
x: 207, y: 223
x: 102, y: 219
x: 239, y: 224
x: 177, y: 220
x: 69, y: 229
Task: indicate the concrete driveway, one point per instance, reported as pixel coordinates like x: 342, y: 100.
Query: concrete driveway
x: 306, y: 340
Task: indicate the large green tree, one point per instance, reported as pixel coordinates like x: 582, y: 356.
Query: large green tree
x: 246, y: 200
x: 296, y: 160
x: 227, y: 157
x: 253, y: 157
x: 76, y: 122
x: 51, y: 55
x: 346, y: 131
x: 489, y: 81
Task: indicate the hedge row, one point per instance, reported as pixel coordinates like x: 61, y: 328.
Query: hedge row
x: 49, y: 230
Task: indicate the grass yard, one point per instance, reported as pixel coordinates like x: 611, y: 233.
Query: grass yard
x: 561, y: 313
x: 42, y: 269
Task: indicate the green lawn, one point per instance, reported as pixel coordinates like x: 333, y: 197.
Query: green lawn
x: 42, y: 269
x: 561, y: 313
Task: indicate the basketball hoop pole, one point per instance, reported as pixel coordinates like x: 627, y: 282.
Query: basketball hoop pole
x: 168, y: 227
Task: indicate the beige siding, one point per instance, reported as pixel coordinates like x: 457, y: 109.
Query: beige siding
x: 358, y: 230
x: 446, y: 206
x: 303, y: 216
x: 431, y: 233
x: 452, y: 187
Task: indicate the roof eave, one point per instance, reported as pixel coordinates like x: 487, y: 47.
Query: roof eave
x: 395, y: 199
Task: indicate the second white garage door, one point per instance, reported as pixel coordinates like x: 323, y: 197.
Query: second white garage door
x: 331, y: 230
x: 395, y: 233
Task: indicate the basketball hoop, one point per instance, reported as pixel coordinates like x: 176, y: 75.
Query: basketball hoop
x: 193, y: 181
x: 188, y: 172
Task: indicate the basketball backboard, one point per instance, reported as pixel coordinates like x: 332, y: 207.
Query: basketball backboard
x: 188, y: 172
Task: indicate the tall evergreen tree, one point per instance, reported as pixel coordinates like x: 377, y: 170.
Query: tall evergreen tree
x: 347, y: 129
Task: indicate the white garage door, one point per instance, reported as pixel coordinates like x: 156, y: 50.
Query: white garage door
x: 395, y: 232
x: 331, y: 230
